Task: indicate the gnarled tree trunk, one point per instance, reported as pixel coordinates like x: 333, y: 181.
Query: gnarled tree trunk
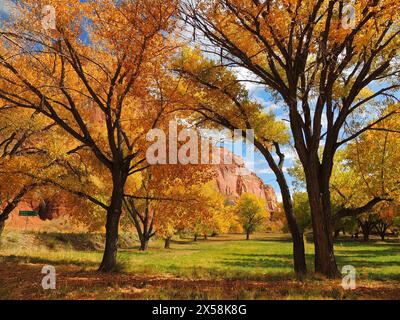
x: 144, y: 244
x: 320, y: 205
x: 367, y: 226
x: 109, y: 261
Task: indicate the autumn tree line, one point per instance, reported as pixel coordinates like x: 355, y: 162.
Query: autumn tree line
x: 77, y: 101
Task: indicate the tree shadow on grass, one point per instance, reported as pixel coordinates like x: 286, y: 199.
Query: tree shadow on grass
x: 284, y: 258
x: 372, y: 242
x: 369, y: 253
x: 360, y: 259
x: 256, y: 262
x: 370, y: 262
x: 249, y: 261
x: 275, y: 239
x: 184, y: 243
x: 371, y: 268
x: 39, y: 260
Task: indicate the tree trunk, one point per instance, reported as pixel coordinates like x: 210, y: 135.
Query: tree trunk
x: 299, y: 258
x: 336, y: 234
x: 144, y: 244
x: 114, y: 211
x: 319, y: 198
x: 13, y: 204
x: 144, y: 228
x: 382, y: 227
x: 205, y: 237
x: 195, y: 237
x: 167, y: 244
x: 366, y: 227
x: 247, y: 235
x: 109, y: 261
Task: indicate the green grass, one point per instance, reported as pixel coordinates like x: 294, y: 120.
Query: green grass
x: 222, y: 257
x: 377, y: 260
x: 258, y: 259
x: 213, y: 259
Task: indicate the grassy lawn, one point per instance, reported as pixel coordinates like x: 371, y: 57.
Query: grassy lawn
x: 259, y: 268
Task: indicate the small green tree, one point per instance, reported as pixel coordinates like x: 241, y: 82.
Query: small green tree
x: 302, y: 210
x: 252, y: 212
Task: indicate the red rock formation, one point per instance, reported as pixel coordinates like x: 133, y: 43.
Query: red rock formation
x: 234, y: 179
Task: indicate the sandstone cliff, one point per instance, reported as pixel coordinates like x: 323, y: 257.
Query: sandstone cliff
x: 234, y: 179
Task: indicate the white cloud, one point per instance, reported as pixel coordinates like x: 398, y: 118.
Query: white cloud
x: 270, y: 106
x: 290, y: 153
x: 250, y: 83
x: 265, y: 171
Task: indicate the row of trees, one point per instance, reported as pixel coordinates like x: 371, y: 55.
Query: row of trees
x: 382, y: 220
x: 111, y: 71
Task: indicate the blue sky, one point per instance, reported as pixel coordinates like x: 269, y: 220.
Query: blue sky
x: 260, y: 166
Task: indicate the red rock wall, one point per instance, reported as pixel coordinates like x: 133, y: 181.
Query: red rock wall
x: 233, y: 185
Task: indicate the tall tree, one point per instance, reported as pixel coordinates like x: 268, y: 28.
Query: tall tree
x: 99, y: 75
x: 322, y: 69
x: 219, y: 100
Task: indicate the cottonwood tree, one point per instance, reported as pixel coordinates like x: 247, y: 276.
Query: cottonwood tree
x: 200, y: 212
x: 252, y: 212
x: 367, y: 223
x: 21, y: 156
x: 99, y: 75
x: 211, y: 215
x: 387, y: 220
x: 324, y: 70
x: 164, y: 202
x: 39, y: 162
x: 220, y: 101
